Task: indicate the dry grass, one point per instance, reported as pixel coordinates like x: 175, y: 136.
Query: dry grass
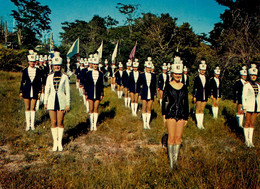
x: 120, y: 154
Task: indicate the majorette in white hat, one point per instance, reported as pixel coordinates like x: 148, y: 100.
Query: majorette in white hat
x: 177, y: 67
x: 203, y: 65
x: 31, y: 58
x: 217, y: 71
x: 129, y: 63
x: 120, y: 65
x: 243, y: 71
x: 164, y: 66
x: 95, y: 59
x: 136, y: 63
x: 253, y: 70
x: 81, y: 61
x: 56, y: 60
x: 185, y: 69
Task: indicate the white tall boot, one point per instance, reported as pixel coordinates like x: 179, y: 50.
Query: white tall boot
x: 136, y: 108
x: 87, y: 106
x: 37, y: 107
x: 241, y: 119
x: 198, y: 120
x: 121, y: 94
x: 133, y: 109
x: 60, y: 135
x: 171, y: 156
x: 176, y: 152
x: 28, y: 120
x: 33, y: 119
x: 250, y: 137
x: 213, y: 112
x: 148, y: 117
x: 125, y: 100
x: 144, y: 120
x: 246, y: 134
x: 54, y: 132
x: 118, y: 94
x: 216, y: 112
x: 128, y: 102
x: 160, y: 101
x: 91, y: 121
x: 201, y: 121
x: 95, y: 120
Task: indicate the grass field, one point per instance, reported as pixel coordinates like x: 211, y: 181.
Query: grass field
x: 120, y: 154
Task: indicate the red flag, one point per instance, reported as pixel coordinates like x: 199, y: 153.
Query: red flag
x: 132, y: 54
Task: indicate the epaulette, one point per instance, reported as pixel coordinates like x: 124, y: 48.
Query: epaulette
x: 50, y: 73
x: 238, y: 80
x: 141, y: 72
x: 246, y: 82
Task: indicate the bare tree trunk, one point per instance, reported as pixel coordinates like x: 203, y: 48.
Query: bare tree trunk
x: 6, y: 32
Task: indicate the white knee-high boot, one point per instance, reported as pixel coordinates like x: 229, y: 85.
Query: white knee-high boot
x: 87, y: 106
x: 250, y: 136
x: 28, y: 120
x: 241, y: 119
x: 37, y: 107
x: 60, y: 135
x: 128, y: 102
x: 246, y: 134
x: 171, y: 155
x: 33, y: 119
x: 148, y: 117
x: 136, y: 108
x: 133, y: 109
x: 54, y: 132
x: 160, y: 101
x: 198, y: 120
x: 144, y: 120
x: 125, y: 100
x: 91, y: 121
x: 214, y: 112
x: 95, y: 120
x: 176, y: 152
x: 201, y: 121
x: 118, y: 94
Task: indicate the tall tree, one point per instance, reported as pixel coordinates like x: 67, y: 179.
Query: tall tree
x: 31, y: 15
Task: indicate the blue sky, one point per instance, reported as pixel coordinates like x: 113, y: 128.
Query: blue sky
x: 200, y: 14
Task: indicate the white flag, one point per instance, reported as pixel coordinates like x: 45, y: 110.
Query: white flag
x: 74, y: 49
x: 114, y: 53
x: 100, y: 50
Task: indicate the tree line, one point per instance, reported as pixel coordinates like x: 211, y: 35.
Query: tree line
x: 232, y: 43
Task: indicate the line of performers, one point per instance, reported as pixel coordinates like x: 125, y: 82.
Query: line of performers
x: 172, y: 86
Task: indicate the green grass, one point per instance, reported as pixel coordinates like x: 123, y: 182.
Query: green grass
x: 120, y: 154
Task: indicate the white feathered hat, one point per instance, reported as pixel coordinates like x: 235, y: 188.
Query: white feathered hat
x: 253, y: 70
x: 243, y: 71
x: 203, y: 65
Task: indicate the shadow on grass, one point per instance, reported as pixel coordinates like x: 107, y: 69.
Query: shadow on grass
x: 153, y: 115
x: 105, y: 104
x: 78, y: 130
x: 231, y: 122
x: 108, y: 114
x: 43, y: 119
x: 84, y: 127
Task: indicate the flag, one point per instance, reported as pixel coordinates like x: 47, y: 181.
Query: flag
x: 114, y: 54
x: 51, y: 49
x: 74, y: 49
x: 100, y: 50
x: 132, y: 54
